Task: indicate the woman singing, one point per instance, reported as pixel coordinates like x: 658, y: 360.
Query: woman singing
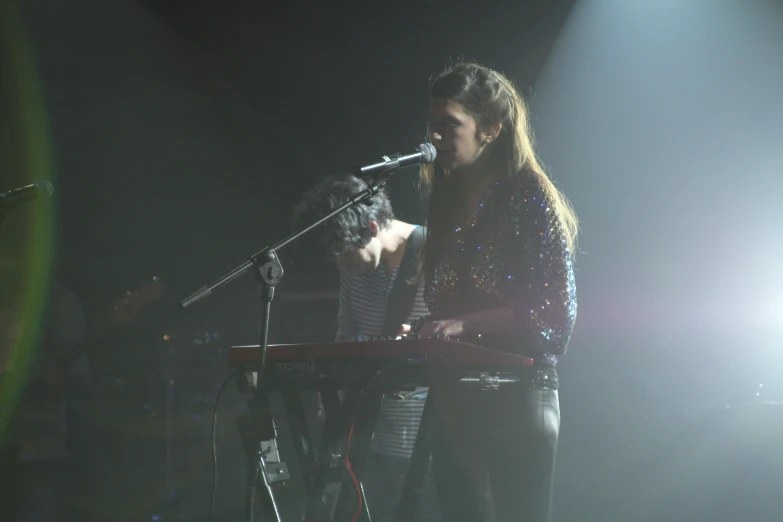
x: 498, y: 270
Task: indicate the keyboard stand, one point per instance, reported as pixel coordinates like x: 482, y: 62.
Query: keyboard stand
x: 329, y: 489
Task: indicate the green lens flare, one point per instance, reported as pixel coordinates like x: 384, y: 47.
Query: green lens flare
x: 33, y: 262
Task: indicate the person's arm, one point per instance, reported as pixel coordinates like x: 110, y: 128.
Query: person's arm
x: 541, y: 289
x: 536, y: 287
x: 496, y: 320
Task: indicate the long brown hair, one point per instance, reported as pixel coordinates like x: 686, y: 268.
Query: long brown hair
x: 489, y: 97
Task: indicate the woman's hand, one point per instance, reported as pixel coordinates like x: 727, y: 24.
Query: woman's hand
x: 448, y: 327
x: 405, y: 329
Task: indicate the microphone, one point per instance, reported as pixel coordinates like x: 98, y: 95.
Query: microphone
x: 425, y: 154
x: 26, y: 193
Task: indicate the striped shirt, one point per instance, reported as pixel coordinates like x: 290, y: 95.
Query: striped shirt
x: 364, y: 296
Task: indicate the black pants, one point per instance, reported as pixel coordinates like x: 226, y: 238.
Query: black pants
x: 508, y: 437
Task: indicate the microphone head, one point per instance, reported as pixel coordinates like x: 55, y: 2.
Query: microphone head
x: 44, y: 187
x: 428, y: 153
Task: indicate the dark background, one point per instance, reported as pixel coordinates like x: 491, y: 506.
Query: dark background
x: 183, y: 133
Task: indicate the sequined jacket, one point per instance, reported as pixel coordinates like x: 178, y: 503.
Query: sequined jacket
x: 512, y: 253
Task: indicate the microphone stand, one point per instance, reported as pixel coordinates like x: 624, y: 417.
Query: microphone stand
x: 259, y: 426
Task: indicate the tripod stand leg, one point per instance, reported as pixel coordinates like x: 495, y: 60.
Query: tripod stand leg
x: 269, y: 509
x: 254, y: 428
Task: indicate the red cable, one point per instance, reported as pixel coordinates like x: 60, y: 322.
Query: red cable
x: 348, y: 445
x: 353, y: 477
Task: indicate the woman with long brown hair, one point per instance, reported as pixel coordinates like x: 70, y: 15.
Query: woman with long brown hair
x: 497, y: 266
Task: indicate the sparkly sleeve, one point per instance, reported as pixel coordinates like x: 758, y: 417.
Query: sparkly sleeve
x: 541, y: 288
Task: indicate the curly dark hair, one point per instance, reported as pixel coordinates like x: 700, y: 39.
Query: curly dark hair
x: 348, y: 231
